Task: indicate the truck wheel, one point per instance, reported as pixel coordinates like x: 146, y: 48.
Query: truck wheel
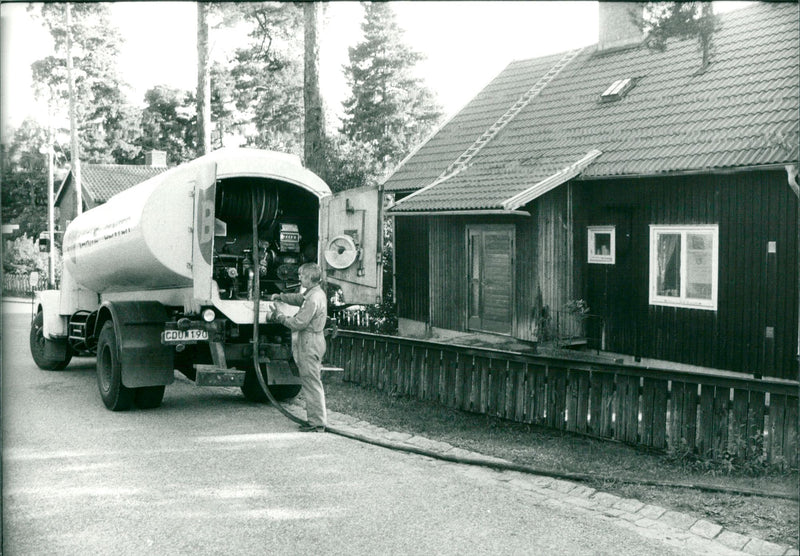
x: 148, y: 397
x: 38, y: 343
x: 115, y: 395
x: 253, y: 392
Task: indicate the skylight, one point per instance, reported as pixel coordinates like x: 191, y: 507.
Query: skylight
x: 617, y: 90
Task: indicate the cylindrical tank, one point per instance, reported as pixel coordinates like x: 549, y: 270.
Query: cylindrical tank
x: 142, y: 238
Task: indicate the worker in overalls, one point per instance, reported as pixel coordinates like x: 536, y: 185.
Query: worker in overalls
x: 308, y: 341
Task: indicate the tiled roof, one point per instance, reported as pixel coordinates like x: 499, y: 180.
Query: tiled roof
x: 741, y: 112
x: 102, y: 181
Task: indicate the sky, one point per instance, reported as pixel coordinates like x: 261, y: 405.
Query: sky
x: 466, y: 44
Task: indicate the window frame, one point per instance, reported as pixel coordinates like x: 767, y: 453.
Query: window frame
x: 682, y: 301
x: 594, y: 258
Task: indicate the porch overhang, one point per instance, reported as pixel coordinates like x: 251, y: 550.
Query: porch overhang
x: 550, y: 182
x: 477, y: 212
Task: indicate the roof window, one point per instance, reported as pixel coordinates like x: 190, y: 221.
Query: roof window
x: 618, y: 89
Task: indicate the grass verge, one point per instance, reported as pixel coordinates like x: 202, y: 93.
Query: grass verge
x: 772, y: 519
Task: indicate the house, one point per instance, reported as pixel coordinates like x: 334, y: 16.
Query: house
x: 99, y: 182
x: 661, y: 193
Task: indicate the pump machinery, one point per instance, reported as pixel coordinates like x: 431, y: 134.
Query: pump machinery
x: 176, y: 273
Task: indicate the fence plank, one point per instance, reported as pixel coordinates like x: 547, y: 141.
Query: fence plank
x: 556, y: 397
x: 790, y: 431
x: 720, y: 426
x: 756, y: 410
x: 627, y: 409
x: 518, y: 389
x: 648, y: 393
x: 706, y: 423
x: 572, y: 400
x: 777, y: 422
x: 738, y: 424
x: 660, y: 414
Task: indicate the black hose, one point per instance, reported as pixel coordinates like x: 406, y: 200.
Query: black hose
x: 256, y: 308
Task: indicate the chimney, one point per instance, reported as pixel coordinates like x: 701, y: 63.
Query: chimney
x: 620, y: 24
x: 157, y: 159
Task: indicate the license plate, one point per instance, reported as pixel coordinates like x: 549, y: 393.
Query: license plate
x: 183, y: 336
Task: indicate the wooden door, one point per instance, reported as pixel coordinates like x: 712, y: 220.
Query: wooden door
x: 490, y: 274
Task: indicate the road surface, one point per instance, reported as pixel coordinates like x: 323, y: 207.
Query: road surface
x: 210, y: 473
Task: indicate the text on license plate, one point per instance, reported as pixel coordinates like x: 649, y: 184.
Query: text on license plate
x: 177, y: 336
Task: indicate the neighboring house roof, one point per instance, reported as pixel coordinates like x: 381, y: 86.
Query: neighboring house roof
x: 742, y: 111
x: 102, y: 181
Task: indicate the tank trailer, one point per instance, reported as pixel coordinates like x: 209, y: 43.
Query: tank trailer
x: 162, y: 277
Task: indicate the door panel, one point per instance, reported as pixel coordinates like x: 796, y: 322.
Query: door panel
x: 490, y: 301
x: 351, y: 243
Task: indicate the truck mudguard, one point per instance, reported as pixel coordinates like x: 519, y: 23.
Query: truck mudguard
x: 138, y: 326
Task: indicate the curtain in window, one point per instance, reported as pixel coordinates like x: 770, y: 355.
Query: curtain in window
x: 669, y: 265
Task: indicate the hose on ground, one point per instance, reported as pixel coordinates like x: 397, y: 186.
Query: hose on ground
x: 256, y: 216
x: 466, y: 460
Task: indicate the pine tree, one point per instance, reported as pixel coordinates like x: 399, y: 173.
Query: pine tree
x: 107, y: 123
x: 389, y: 109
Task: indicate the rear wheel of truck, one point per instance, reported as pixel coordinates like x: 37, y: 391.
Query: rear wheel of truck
x: 115, y: 395
x: 148, y: 397
x: 253, y: 392
x: 38, y: 343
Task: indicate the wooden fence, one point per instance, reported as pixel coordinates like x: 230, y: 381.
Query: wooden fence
x: 708, y: 414
x: 19, y: 284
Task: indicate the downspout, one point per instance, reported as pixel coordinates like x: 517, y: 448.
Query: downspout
x: 791, y: 174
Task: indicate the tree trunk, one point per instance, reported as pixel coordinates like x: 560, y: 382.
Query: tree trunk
x: 314, y: 121
x: 75, y: 158
x: 203, y: 82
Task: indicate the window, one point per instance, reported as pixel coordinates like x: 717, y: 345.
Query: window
x: 602, y: 247
x: 617, y: 89
x: 683, y: 266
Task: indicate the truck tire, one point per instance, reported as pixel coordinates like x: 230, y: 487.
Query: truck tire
x: 253, y: 392
x: 148, y: 397
x: 116, y: 396
x: 38, y: 343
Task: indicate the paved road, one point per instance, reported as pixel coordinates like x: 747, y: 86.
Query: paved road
x: 209, y: 473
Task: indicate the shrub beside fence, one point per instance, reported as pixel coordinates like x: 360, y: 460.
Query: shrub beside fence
x: 717, y: 417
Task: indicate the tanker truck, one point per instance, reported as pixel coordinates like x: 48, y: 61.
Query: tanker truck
x: 176, y: 273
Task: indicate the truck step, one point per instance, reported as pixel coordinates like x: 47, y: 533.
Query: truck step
x: 209, y: 375
x: 329, y: 369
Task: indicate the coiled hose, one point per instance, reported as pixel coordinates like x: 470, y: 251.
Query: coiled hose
x: 465, y: 460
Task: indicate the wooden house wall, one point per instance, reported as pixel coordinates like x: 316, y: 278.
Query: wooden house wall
x: 544, y: 271
x: 756, y: 289
x: 411, y: 267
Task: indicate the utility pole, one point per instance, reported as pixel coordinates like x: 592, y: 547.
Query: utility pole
x: 50, y: 210
x: 73, y: 125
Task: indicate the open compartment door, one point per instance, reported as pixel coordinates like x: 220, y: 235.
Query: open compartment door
x: 351, y: 243
x: 204, y: 180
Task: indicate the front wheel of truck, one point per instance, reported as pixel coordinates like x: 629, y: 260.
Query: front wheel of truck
x: 38, y: 345
x: 116, y: 396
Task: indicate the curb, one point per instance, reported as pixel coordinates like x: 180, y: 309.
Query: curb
x: 678, y: 529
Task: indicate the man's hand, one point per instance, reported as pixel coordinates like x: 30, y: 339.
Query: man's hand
x: 274, y: 297
x: 273, y: 316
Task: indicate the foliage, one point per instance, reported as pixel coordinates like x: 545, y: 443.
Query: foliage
x: 108, y: 126
x: 349, y: 164
x: 683, y: 20
x: 267, y: 76
x: 389, y: 109
x: 21, y: 256
x: 380, y: 318
x: 168, y: 124
x: 24, y: 179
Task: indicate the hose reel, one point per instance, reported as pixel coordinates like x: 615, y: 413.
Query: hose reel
x: 341, y: 252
